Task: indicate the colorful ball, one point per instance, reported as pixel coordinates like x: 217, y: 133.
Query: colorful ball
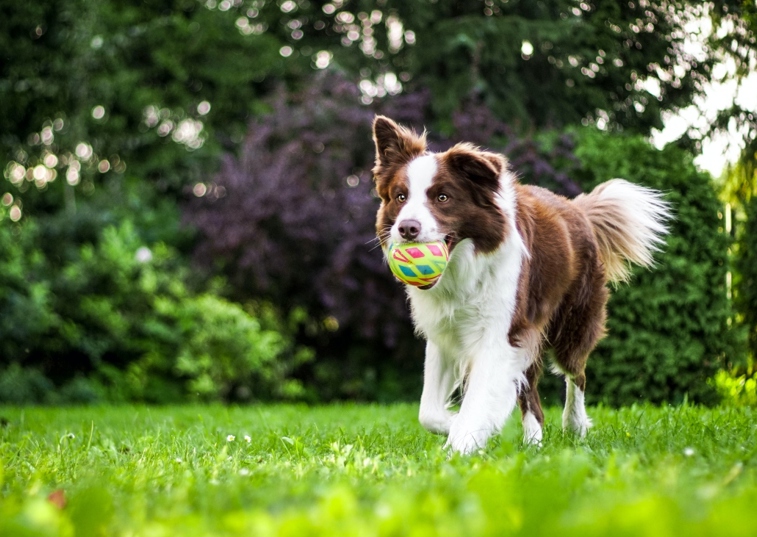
x: 418, y: 263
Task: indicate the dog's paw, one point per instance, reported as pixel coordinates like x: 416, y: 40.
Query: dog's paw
x: 439, y: 422
x: 578, y: 425
x: 466, y: 441
x: 579, y: 428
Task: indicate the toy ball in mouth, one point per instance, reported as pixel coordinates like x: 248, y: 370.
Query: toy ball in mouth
x: 419, y: 264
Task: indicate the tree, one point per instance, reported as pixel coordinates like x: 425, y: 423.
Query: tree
x: 535, y: 64
x: 90, y: 89
x: 94, y: 89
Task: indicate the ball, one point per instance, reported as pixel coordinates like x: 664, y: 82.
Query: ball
x: 419, y: 264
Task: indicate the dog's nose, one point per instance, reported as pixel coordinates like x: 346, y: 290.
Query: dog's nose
x: 409, y: 229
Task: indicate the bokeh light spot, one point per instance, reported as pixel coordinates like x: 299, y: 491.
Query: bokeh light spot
x: 51, y: 161
x: 199, y: 190
x: 526, y: 48
x: 84, y: 151
x: 323, y: 59
x: 15, y: 213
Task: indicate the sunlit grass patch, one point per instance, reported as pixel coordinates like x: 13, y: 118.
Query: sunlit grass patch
x: 371, y: 470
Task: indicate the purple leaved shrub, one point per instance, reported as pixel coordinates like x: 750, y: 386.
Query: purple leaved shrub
x: 291, y: 220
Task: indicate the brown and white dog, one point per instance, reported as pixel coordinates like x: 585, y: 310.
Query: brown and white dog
x: 527, y: 268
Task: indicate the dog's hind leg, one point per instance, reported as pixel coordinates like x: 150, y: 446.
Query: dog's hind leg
x: 577, y: 333
x: 574, y: 415
x: 571, y: 357
x: 529, y: 342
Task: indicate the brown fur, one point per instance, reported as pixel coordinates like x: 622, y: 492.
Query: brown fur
x: 562, y: 294
x: 468, y: 176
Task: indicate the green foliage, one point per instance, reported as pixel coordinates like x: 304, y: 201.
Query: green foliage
x: 154, y: 90
x: 372, y: 471
x: 734, y: 39
x: 148, y: 67
x: 124, y: 313
x: 669, y: 330
x: 745, y: 294
x: 24, y: 300
x: 20, y: 386
x: 552, y: 64
x: 735, y: 388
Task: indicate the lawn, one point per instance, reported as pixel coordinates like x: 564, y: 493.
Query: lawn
x: 370, y: 470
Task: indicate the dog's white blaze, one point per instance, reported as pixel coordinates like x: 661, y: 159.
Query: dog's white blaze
x: 420, y: 175
x: 532, y: 433
x: 574, y: 415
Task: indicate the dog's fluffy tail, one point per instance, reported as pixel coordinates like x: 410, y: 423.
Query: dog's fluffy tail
x: 629, y: 223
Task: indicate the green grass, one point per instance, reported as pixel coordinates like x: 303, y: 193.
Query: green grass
x: 371, y: 470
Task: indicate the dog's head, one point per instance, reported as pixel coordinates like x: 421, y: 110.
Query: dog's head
x: 425, y: 197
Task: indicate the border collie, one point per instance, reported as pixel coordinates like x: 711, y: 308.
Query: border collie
x: 527, y: 269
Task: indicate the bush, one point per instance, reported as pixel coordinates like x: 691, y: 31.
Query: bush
x: 669, y: 329
x: 25, y: 301
x: 745, y: 294
x: 19, y: 386
x: 736, y: 388
x: 123, y: 314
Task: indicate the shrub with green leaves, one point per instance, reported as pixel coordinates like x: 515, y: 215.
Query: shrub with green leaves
x: 123, y: 314
x: 668, y: 330
x: 746, y: 270
x: 25, y: 312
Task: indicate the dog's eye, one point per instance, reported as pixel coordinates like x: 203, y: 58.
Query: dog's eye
x: 441, y: 198
x: 401, y: 198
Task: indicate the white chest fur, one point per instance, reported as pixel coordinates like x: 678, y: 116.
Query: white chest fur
x: 472, y: 305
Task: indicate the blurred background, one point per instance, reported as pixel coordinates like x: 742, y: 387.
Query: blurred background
x: 188, y: 211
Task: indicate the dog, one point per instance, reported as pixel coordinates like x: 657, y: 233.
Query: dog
x: 527, y: 269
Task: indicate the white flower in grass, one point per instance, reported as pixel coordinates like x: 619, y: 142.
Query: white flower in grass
x: 230, y: 438
x: 688, y: 451
x: 247, y: 438
x: 178, y: 460
x: 244, y: 472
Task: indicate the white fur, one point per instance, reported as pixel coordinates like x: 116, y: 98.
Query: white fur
x: 439, y: 382
x: 530, y: 347
x: 629, y: 221
x: 574, y: 416
x: 646, y: 212
x: 532, y: 433
x: 420, y: 176
x: 465, y: 317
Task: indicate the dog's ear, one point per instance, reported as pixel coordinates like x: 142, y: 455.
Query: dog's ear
x: 480, y: 167
x: 395, y: 145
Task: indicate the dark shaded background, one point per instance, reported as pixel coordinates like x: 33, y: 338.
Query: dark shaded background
x: 188, y: 208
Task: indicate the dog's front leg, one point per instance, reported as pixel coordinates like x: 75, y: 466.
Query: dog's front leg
x: 438, y: 383
x: 490, y: 396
